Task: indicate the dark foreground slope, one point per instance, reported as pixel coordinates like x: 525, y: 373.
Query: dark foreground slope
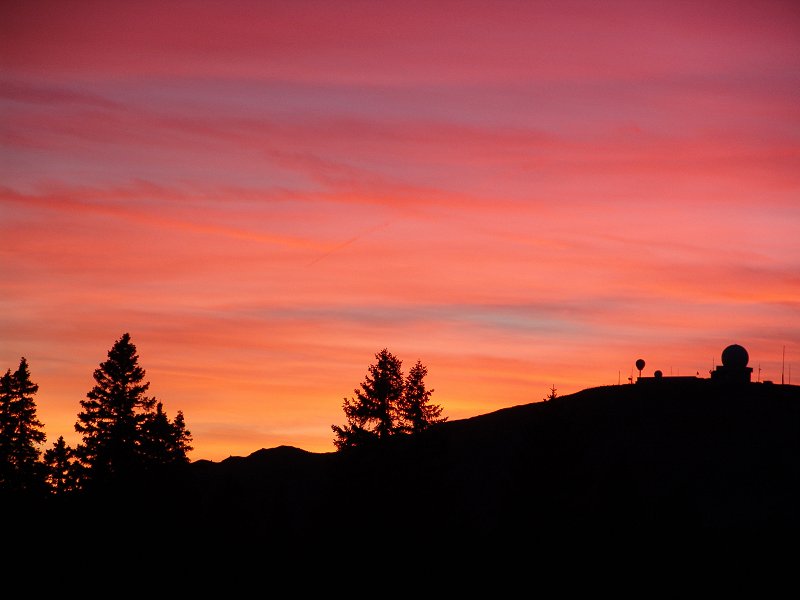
x: 651, y: 459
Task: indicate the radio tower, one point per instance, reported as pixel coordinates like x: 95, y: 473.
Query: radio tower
x: 783, y: 363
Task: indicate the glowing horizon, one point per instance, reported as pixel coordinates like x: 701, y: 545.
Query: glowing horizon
x: 518, y: 194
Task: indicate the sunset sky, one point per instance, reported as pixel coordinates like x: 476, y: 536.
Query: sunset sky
x: 520, y: 195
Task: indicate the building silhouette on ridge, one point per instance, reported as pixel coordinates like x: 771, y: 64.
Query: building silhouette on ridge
x: 733, y: 369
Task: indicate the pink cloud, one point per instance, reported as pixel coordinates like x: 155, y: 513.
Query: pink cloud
x: 518, y: 194
x: 378, y: 42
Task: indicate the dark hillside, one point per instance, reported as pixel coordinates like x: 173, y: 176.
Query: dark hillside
x: 658, y: 458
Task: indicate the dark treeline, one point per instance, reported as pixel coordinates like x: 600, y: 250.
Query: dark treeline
x: 125, y: 433
x: 129, y: 480
x: 128, y: 439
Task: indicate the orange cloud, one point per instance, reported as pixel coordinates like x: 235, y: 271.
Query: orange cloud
x: 519, y: 195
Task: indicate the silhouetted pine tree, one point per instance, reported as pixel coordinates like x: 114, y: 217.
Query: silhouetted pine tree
x: 21, y: 433
x: 60, y: 468
x: 165, y: 442
x: 552, y: 395
x: 121, y: 431
x: 416, y: 409
x: 373, y: 413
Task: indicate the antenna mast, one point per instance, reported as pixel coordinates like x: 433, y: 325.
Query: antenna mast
x: 783, y: 363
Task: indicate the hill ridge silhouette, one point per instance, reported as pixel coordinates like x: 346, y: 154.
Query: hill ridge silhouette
x: 634, y: 461
x: 685, y: 455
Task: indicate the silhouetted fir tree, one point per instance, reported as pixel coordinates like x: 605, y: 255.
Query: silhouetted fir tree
x: 120, y: 428
x: 60, y: 468
x: 21, y: 433
x: 165, y: 442
x: 373, y: 413
x: 552, y: 395
x: 416, y: 409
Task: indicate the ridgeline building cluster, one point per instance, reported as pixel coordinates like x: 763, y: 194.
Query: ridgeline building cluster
x: 733, y: 369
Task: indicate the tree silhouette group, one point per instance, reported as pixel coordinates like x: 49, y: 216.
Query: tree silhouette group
x: 387, y: 403
x: 125, y: 433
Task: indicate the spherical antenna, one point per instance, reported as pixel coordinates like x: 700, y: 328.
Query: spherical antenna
x: 735, y: 357
x: 640, y: 366
x: 658, y: 374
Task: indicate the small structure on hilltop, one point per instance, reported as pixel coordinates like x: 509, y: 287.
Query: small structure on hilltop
x: 734, y: 367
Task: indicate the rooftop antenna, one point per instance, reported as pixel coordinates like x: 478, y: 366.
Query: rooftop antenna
x: 783, y: 363
x: 759, y: 373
